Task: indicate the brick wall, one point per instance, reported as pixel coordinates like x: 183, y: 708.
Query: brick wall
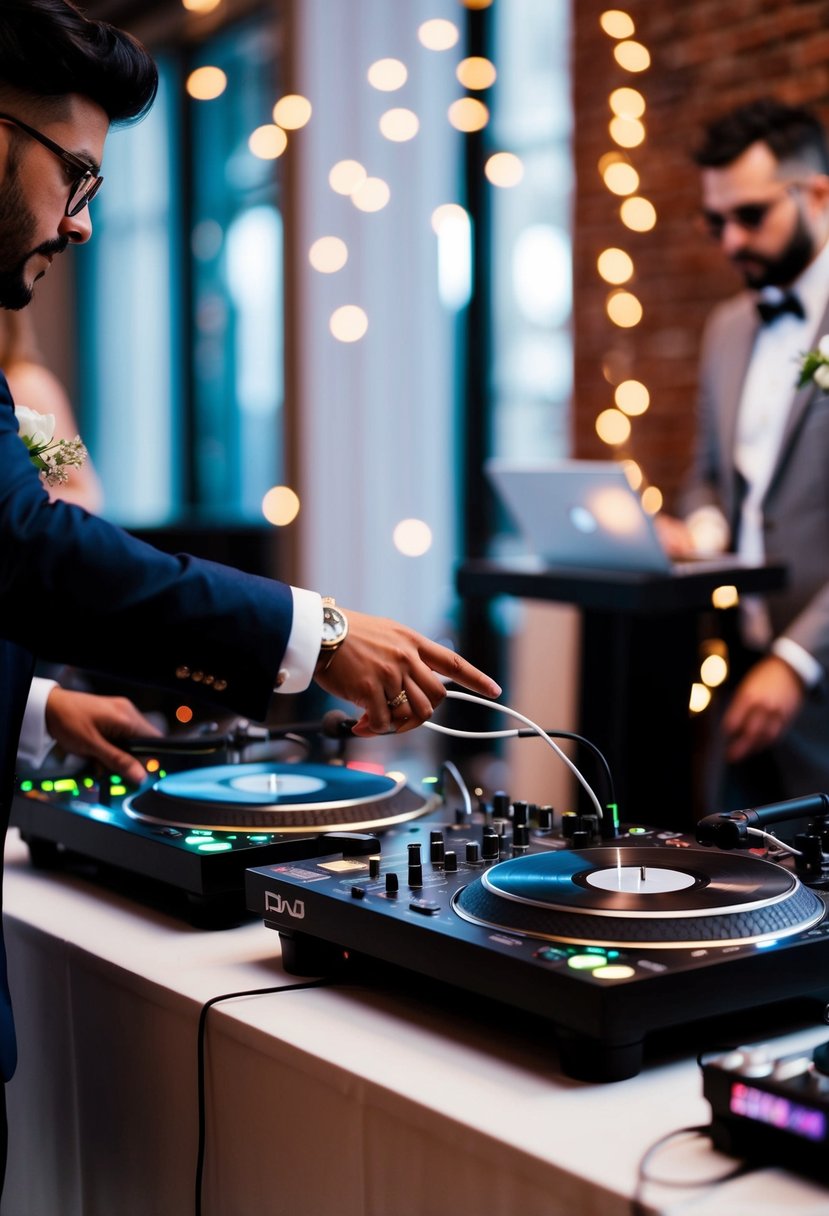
x: 706, y: 55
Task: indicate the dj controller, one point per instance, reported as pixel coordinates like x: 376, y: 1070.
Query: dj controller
x: 605, y: 932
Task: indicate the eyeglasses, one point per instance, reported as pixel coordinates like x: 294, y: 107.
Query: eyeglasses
x: 750, y: 216
x: 85, y: 183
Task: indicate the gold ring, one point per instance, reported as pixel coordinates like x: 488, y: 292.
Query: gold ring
x: 400, y: 699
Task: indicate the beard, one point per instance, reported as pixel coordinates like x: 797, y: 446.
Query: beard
x: 759, y: 271
x: 17, y: 230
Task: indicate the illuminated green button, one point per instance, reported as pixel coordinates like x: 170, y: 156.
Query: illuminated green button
x: 26, y: 786
x: 638, y: 831
x: 117, y: 789
x: 47, y: 786
x: 258, y: 839
x: 200, y: 839
x: 586, y: 962
x: 214, y: 846
x: 618, y: 971
x: 66, y: 785
x: 88, y: 783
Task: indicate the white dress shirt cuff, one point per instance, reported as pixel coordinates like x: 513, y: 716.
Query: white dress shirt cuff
x: 806, y: 665
x: 709, y: 531
x: 35, y: 740
x: 303, y: 649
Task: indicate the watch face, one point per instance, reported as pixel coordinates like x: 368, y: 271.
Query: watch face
x: 334, y: 626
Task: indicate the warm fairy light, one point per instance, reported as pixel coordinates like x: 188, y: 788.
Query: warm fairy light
x: 280, y: 506
x: 346, y: 176
x: 652, y: 500
x: 372, y: 195
x: 448, y: 213
x: 200, y: 6
x: 626, y: 132
x: 624, y: 309
x: 504, y: 169
x: 388, y: 75
x: 713, y: 670
x: 328, y: 254
x: 632, y: 398
x: 184, y: 713
x: 438, y: 34
x: 633, y: 473
x: 207, y: 83
x: 621, y: 178
x: 468, y: 114
x: 292, y: 111
x: 615, y: 266
x: 627, y: 103
x: 348, y: 323
x: 613, y: 427
x: 476, y: 72
x: 617, y: 24
x: 268, y: 142
x: 632, y: 56
x: 725, y: 597
x: 412, y: 537
x: 152, y: 766
x: 700, y: 698
x: 638, y: 214
x: 399, y: 125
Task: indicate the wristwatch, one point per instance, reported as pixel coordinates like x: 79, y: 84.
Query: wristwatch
x: 334, y: 630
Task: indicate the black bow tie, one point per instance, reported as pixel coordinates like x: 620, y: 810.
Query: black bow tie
x: 770, y: 310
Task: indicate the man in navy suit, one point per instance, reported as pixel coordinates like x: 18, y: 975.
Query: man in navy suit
x: 75, y: 589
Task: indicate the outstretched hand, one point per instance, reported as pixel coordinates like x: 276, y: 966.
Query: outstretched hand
x: 393, y: 674
x: 85, y: 724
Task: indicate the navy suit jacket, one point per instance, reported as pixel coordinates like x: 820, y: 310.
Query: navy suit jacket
x: 75, y: 589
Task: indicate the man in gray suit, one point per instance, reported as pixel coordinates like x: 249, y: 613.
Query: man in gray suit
x: 759, y: 484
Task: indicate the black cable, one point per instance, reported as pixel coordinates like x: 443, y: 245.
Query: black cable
x: 637, y: 1203
x: 227, y: 996
x: 603, y: 764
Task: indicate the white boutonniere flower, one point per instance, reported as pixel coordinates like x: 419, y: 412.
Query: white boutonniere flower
x: 53, y: 458
x: 814, y: 366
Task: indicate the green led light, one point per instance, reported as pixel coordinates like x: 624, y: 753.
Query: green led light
x: 114, y: 779
x: 200, y: 839
x: 257, y: 839
x: 66, y: 783
x: 638, y: 831
x: 429, y: 781
x: 613, y: 807
x: 214, y: 846
x: 586, y: 962
x: 47, y: 786
x: 26, y: 786
x: 117, y: 789
x: 88, y: 783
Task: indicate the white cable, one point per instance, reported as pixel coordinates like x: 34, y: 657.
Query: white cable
x: 505, y: 709
x: 461, y: 784
x: 770, y: 836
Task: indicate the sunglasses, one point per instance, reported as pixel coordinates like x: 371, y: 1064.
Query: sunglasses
x: 749, y: 216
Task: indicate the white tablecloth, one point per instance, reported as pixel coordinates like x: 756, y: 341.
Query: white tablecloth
x: 326, y: 1102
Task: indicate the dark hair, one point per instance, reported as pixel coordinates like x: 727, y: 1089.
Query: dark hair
x: 48, y: 48
x: 792, y: 133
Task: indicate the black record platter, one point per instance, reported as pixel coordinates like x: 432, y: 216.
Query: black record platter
x: 193, y: 833
x: 608, y: 943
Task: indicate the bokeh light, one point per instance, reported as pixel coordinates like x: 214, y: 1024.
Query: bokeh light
x: 638, y: 214
x: 624, y: 309
x: 468, y: 114
x: 714, y: 670
x: 621, y: 178
x: 388, y: 75
x: 613, y: 427
x: 292, y: 111
x: 652, y: 500
x: 632, y: 56
x: 348, y: 323
x: 700, y: 698
x: 346, y: 176
x: 632, y: 398
x: 617, y: 23
x: 372, y: 195
x: 412, y: 537
x: 725, y: 597
x: 438, y: 34
x: 476, y: 72
x: 399, y: 125
x: 280, y: 506
x: 207, y: 83
x: 328, y: 254
x: 268, y: 141
x: 504, y: 169
x: 614, y: 265
x: 627, y: 103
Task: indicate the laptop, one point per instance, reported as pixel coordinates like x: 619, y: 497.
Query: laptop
x: 585, y: 514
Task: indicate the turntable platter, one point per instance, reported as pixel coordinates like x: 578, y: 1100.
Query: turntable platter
x: 612, y: 897
x: 278, y: 797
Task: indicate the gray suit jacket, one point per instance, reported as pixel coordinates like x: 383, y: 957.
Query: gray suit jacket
x: 795, y: 525
x: 796, y: 504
